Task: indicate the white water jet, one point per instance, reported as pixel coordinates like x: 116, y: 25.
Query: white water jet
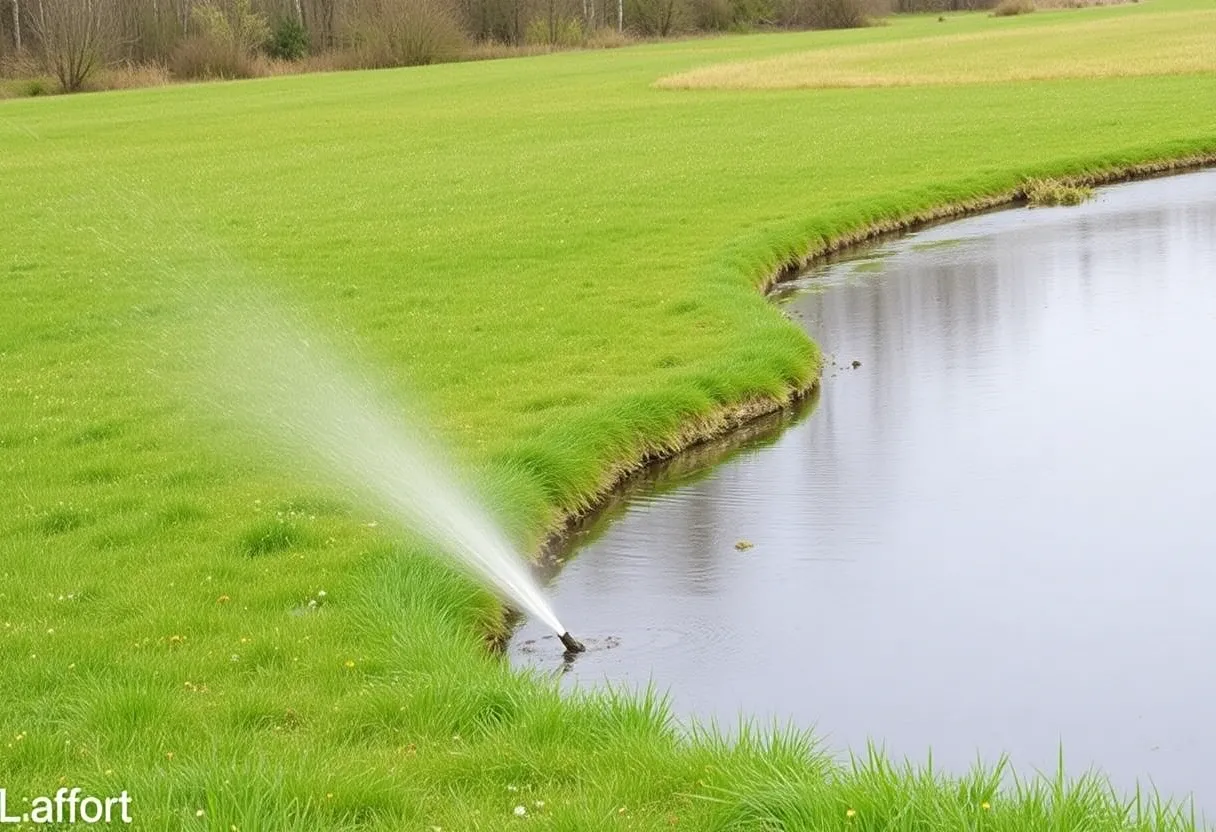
x: 263, y: 370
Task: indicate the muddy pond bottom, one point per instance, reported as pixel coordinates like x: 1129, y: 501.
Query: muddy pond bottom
x: 996, y: 534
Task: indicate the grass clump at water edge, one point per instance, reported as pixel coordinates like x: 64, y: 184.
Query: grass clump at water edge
x: 870, y: 791
x: 1047, y: 192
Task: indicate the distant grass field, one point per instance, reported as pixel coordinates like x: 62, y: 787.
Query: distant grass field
x: 1154, y: 43
x: 563, y: 261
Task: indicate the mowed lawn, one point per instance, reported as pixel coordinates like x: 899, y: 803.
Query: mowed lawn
x: 562, y: 261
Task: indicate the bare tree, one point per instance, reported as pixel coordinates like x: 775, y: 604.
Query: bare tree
x: 554, y: 21
x: 655, y: 17
x: 17, y: 24
x: 322, y: 19
x: 148, y: 30
x: 77, y: 37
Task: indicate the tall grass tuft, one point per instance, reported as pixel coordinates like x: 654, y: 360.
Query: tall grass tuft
x: 202, y: 57
x: 1010, y: 8
x: 839, y: 14
x: 129, y: 76
x: 871, y: 791
x: 1046, y: 192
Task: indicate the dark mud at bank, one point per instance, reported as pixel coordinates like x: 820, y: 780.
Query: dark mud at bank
x: 995, y: 535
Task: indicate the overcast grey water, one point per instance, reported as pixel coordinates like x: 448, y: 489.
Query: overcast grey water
x: 997, y: 534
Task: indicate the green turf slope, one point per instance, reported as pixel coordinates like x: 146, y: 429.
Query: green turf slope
x: 563, y: 261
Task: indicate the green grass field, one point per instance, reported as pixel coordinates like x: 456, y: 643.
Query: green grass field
x: 1101, y: 47
x: 563, y: 260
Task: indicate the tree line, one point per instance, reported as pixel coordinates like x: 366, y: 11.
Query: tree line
x: 72, y: 39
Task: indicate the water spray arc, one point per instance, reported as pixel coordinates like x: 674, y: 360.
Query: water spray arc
x: 265, y: 372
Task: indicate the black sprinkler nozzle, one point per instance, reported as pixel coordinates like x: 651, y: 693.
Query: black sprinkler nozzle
x: 571, y: 644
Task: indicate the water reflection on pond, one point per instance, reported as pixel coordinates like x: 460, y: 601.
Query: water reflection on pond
x: 994, y: 535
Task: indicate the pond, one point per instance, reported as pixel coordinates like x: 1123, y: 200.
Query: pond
x: 994, y: 535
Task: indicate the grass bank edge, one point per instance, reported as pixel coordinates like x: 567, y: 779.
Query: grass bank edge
x: 783, y: 263
x: 1126, y: 167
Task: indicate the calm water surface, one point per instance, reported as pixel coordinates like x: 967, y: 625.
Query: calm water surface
x: 997, y: 534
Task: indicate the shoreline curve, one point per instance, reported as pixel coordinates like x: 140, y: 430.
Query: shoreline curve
x: 729, y: 418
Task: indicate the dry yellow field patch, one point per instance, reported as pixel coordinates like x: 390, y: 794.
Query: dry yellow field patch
x: 1110, y: 47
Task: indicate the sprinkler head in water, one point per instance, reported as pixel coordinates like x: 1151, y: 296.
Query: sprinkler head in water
x: 571, y: 644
